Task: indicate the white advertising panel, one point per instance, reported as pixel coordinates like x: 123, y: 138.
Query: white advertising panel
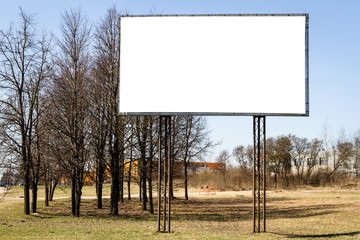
x: 214, y: 65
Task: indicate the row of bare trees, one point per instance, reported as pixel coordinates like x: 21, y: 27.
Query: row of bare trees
x: 24, y: 71
x: 299, y: 157
x: 59, y: 114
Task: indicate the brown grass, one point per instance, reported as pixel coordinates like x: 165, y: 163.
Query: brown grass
x: 236, y: 179
x: 305, y: 214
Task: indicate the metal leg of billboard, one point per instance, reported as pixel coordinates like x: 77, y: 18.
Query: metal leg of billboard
x: 164, y: 174
x: 259, y: 174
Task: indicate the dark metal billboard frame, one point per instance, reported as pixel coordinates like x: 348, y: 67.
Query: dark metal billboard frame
x: 307, y: 95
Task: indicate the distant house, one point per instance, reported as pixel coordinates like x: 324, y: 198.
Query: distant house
x: 8, y: 178
x: 2, y: 170
x: 327, y: 160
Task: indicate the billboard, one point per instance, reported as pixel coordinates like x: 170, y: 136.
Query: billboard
x: 214, y: 65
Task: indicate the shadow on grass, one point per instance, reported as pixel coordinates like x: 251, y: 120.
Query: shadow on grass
x: 331, y: 235
x: 129, y: 210
x: 196, y: 209
x: 226, y: 210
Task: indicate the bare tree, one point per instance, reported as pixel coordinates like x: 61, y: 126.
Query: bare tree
x: 70, y: 99
x: 98, y: 131
x: 278, y: 153
x: 239, y: 153
x: 315, y: 147
x: 152, y: 151
x: 130, y: 157
x: 24, y: 68
x: 55, y: 154
x: 224, y: 159
x: 107, y: 61
x: 146, y: 146
x: 344, y: 153
x: 99, y: 102
x: 195, y: 141
x: 356, y: 143
x: 249, y: 155
x: 176, y: 143
x: 52, y: 173
x: 142, y: 135
x: 38, y: 153
x: 274, y: 165
x: 326, y: 139
x: 300, y: 152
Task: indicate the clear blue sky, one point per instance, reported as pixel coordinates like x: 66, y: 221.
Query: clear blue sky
x: 334, y: 55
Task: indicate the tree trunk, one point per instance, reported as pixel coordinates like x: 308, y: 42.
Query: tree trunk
x: 99, y: 190
x: 141, y: 131
x: 73, y: 194
x: 129, y: 176
x: 115, y: 168
x: 99, y: 182
x: 144, y: 196
x: 26, y: 190
x: 78, y: 195
x: 52, y: 190
x: 114, y: 202
x: 121, y: 180
x: 129, y: 169
x: 150, y: 163
x: 150, y: 186
x: 172, y: 162
x: 186, y: 180
x: 187, y: 137
x: 26, y: 179
x: 140, y: 186
x: 76, y: 189
x: 35, y: 178
x: 129, y: 193
x: 285, y: 176
x: 34, y: 196
x: 121, y: 159
x: 298, y: 174
x: 47, y: 193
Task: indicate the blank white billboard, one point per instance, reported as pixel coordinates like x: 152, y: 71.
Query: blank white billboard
x: 214, y: 65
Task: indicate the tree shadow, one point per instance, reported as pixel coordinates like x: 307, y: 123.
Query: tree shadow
x: 241, y: 210
x: 196, y: 209
x: 212, y: 210
x: 331, y: 235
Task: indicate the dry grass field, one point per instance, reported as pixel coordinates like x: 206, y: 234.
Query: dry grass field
x: 301, y: 214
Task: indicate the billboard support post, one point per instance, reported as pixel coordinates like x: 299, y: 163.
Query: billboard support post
x: 164, y: 198
x: 159, y: 175
x: 169, y: 170
x: 259, y: 173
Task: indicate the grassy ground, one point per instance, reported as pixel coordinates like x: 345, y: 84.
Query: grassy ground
x: 64, y: 191
x: 319, y: 214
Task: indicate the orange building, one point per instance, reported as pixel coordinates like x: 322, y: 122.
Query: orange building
x: 193, y: 167
x: 204, y: 166
x: 90, y: 176
x: 134, y: 169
